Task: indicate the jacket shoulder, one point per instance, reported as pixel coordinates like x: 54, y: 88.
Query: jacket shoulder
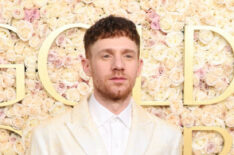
x: 161, y: 124
x: 166, y: 136
x: 55, y: 122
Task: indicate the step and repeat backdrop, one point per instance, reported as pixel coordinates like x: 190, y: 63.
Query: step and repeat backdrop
x: 187, y: 49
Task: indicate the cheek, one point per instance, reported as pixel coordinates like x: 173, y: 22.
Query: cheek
x: 132, y: 70
x: 99, y: 71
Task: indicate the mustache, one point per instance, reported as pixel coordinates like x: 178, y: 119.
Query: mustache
x: 118, y: 76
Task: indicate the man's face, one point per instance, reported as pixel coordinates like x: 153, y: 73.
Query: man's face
x: 114, y: 66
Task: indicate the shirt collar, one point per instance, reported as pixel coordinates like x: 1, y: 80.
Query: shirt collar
x: 101, y: 114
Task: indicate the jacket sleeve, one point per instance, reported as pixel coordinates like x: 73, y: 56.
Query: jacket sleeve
x: 39, y: 144
x: 177, y: 147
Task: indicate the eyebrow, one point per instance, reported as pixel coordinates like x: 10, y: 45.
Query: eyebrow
x: 109, y: 50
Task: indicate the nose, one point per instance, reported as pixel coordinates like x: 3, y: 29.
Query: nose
x: 118, y: 63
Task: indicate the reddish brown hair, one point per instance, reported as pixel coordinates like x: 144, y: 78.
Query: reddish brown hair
x: 110, y: 27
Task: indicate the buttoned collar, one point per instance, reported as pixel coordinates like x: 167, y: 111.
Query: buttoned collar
x: 101, y: 114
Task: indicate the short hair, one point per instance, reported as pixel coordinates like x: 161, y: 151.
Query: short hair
x: 110, y: 27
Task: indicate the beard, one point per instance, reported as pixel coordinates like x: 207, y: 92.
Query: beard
x: 113, y: 91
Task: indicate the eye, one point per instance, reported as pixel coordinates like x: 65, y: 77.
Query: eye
x: 106, y: 56
x: 128, y: 56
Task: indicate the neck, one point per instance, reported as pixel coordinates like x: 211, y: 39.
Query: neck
x: 115, y: 106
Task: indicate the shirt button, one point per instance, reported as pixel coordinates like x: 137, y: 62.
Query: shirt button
x: 115, y: 120
x: 116, y: 145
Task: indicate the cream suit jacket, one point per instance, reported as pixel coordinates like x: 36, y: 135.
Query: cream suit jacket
x: 75, y: 133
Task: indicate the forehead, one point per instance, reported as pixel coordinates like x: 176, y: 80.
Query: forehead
x: 116, y: 44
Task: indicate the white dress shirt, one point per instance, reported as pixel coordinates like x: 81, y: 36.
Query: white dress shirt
x: 114, y: 129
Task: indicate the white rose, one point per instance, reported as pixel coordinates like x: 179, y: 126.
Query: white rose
x: 7, y: 12
x: 176, y: 76
x: 159, y: 52
x: 87, y: 1
x: 5, y: 44
x: 19, y: 147
x: 205, y: 36
x: 5, y: 148
x: 160, y: 94
x: 83, y: 75
x: 10, y: 93
x: 2, y: 96
x: 40, y: 3
x: 164, y: 81
x: 199, y: 142
x: 101, y: 3
x: 72, y: 94
x: 217, y: 44
x: 173, y: 118
x: 24, y: 30
x: 27, y: 4
x: 196, y: 80
x: 221, y: 85
x: 199, y: 95
x: 83, y: 88
x: 4, y: 136
x: 32, y: 122
x: 181, y: 6
x: 174, y: 39
x: 188, y: 120
x: 9, y: 80
x: 19, y: 47
x: 229, y: 102
x: 166, y: 24
x: 70, y: 75
x: 18, y: 12
x: 176, y: 53
x: 133, y: 7
x: 211, y: 79
x: 35, y: 42
x: 229, y: 5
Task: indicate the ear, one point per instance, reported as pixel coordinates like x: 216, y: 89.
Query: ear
x: 140, y: 65
x: 86, y: 66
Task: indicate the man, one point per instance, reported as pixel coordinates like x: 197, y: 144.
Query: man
x: 109, y: 122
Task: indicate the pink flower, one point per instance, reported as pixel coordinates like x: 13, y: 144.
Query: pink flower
x: 60, y: 41
x: 61, y: 85
x: 83, y: 80
x: 61, y: 88
x: 196, y: 36
x: 2, y: 114
x: 201, y: 73
x: 150, y: 43
x: 3, y: 61
x: 38, y: 86
x: 211, y: 147
x: 154, y: 19
x: 155, y: 24
x: 52, y: 56
x: 12, y: 139
x: 80, y: 57
x: 159, y: 113
x: 161, y: 70
x: 58, y: 63
x: 55, y: 59
x: 68, y: 61
x: 228, y: 48
x: 31, y: 14
x: 75, y: 85
x: 152, y: 15
x: 163, y: 2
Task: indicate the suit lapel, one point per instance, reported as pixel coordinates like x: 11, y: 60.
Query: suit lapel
x: 141, y: 131
x: 85, y: 131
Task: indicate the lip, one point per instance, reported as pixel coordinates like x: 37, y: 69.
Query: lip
x: 118, y: 79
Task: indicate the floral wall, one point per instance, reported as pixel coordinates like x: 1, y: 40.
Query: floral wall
x: 162, y: 25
